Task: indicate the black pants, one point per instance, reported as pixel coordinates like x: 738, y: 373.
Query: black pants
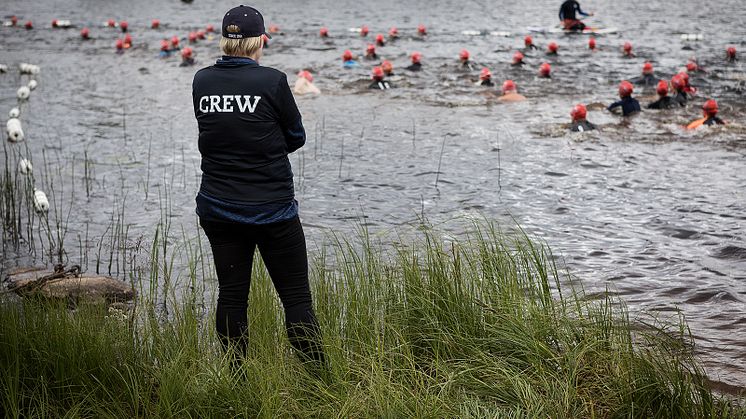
x: 282, y: 246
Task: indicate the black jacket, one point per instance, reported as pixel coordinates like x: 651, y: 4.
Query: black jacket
x: 248, y: 123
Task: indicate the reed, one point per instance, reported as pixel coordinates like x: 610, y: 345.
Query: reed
x: 481, y: 327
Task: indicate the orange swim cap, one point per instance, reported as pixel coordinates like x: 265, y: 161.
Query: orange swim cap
x: 578, y: 112
x: 625, y: 89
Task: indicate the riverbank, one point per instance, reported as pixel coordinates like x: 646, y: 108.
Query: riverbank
x: 483, y: 327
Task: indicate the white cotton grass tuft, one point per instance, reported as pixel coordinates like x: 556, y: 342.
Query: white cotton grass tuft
x: 32, y: 84
x: 14, y: 113
x: 23, y: 92
x: 15, y: 130
x: 41, y: 203
x: 25, y: 167
x: 27, y: 68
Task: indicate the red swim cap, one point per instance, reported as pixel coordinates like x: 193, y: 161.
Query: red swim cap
x: 201, y: 34
x: 155, y: 24
x: 192, y: 37
x: 625, y: 89
x: 84, y: 33
x: 627, y: 48
x: 647, y: 68
x: 387, y: 67
x: 127, y: 40
x: 370, y: 49
x: 509, y: 86
x: 393, y: 32
x: 545, y: 69
x: 422, y: 30
x: 186, y: 53
x: 164, y: 45
x: 731, y: 51
x: 485, y: 74
x: 54, y: 23
x: 662, y: 88
x: 111, y: 23
x: 210, y: 28
x: 528, y: 41
x: 416, y: 57
x: 347, y: 55
x: 123, y: 25
x: 175, y: 41
x: 379, y: 40
x: 377, y: 74
x: 463, y: 55
x: 364, y: 30
x: 691, y: 66
x: 517, y: 57
x: 119, y: 44
x: 553, y: 47
x: 28, y: 25
x: 323, y: 32
x: 274, y: 29
x: 678, y: 83
x: 578, y: 112
x: 710, y: 108
x: 592, y: 43
x: 306, y: 75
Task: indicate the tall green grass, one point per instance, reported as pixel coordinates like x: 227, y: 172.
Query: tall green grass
x: 477, y: 328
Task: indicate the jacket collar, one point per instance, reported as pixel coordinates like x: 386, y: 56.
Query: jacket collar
x: 230, y: 61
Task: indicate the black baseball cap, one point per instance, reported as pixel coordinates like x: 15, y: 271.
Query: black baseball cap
x: 243, y: 22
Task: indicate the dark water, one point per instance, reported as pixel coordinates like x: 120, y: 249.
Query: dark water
x: 652, y: 212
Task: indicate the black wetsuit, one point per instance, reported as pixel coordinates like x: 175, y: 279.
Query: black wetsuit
x: 380, y: 85
x: 666, y: 102
x: 646, y: 80
x: 713, y: 120
x: 629, y: 106
x: 415, y: 67
x: 681, y: 98
x: 467, y: 65
x: 487, y: 82
x: 530, y: 47
x: 567, y: 12
x: 582, y: 126
x: 371, y: 56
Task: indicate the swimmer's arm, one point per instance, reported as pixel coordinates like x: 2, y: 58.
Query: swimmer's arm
x: 614, y: 106
x: 580, y: 12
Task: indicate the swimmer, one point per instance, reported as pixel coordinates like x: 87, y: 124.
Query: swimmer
x: 485, y: 77
x: 348, y: 61
x: 324, y: 32
x: 510, y: 93
x: 304, y: 85
x: 545, y: 71
x: 165, y: 48
x: 388, y: 68
x: 85, y: 33
x: 628, y: 104
x: 517, y: 59
x: 579, y: 121
x: 416, y: 65
x: 692, y: 68
x: 380, y: 41
x: 568, y: 17
x: 730, y: 54
x: 528, y: 43
x: 422, y: 31
x: 364, y: 31
x: 463, y: 58
x: 627, y: 50
x: 592, y: 44
x: 679, y: 86
x: 393, y: 33
x: 710, y: 111
x: 370, y: 52
x: 187, y: 58
x: 664, y: 101
x: 648, y: 76
x: 378, y: 82
x: 552, y: 48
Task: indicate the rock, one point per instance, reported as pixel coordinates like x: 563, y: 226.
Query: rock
x: 84, y: 287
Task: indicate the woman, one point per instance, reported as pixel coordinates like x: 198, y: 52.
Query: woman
x: 248, y: 123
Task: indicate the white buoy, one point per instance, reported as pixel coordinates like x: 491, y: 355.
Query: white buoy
x: 26, y: 68
x: 692, y: 37
x: 501, y: 34
x: 62, y: 23
x: 14, y: 113
x: 23, y: 92
x: 3, y: 68
x: 41, y: 203
x: 25, y: 167
x: 32, y: 84
x: 15, y: 131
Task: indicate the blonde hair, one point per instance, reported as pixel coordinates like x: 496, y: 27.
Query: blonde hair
x: 245, y: 47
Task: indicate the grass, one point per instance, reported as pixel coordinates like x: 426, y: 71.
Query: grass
x: 477, y: 328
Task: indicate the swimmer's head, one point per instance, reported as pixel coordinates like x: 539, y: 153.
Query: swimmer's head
x: 592, y: 44
x: 578, y: 112
x: 678, y: 83
x: 545, y: 70
x: 387, y: 67
x: 509, y: 87
x: 552, y: 48
x: 186, y: 53
x: 85, y: 33
x: 370, y: 50
x: 165, y: 45
x: 416, y: 57
x: 379, y: 40
x: 625, y: 89
x: 306, y: 75
x: 324, y: 32
x: 422, y: 30
x: 463, y: 56
x: 627, y: 48
x: 710, y: 108
x: 377, y: 73
x: 485, y: 74
x: 731, y: 53
x: 274, y: 29
x: 662, y: 88
x: 647, y: 68
x: 119, y: 44
x: 528, y: 41
x: 192, y: 37
x: 691, y: 67
x: 518, y: 58
x: 347, y: 55
x: 393, y: 32
x: 364, y: 30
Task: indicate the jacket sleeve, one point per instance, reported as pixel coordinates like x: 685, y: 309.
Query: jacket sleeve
x: 290, y: 118
x: 615, y: 105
